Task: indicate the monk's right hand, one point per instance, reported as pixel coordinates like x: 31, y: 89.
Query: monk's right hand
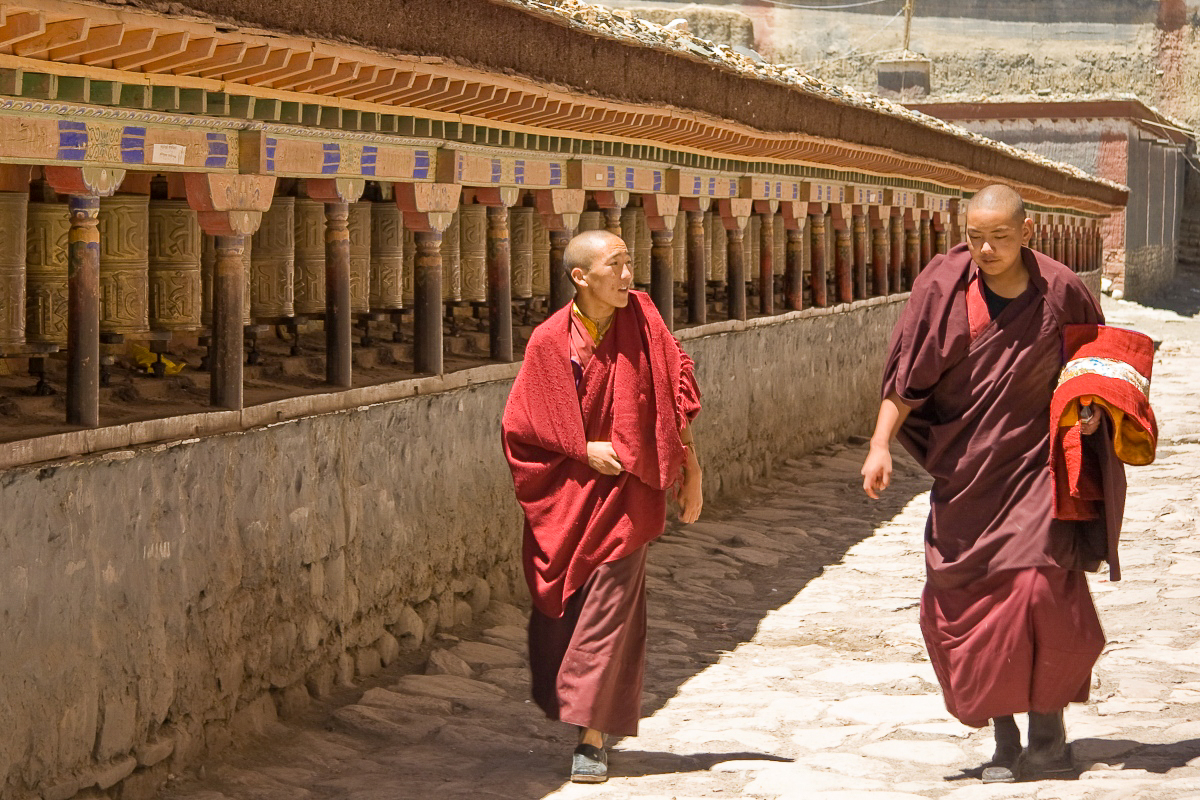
x: 603, y: 458
x: 877, y: 471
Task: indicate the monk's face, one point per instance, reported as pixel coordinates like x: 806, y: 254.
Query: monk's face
x: 605, y: 285
x: 995, y: 238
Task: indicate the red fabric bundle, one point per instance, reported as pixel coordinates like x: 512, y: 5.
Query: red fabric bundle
x: 1110, y: 369
x: 637, y: 391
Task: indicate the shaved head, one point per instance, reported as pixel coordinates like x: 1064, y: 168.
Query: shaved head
x: 999, y: 198
x: 583, y: 249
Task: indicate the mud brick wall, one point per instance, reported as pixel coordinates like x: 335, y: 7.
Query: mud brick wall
x: 158, y: 603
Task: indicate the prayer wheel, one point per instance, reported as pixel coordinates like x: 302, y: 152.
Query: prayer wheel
x: 629, y: 235
x: 520, y: 221
x: 779, y: 257
x: 751, y: 247
x: 642, y: 248
x: 541, y: 257
x: 358, y: 226
x: 174, y: 266
x: 718, y: 247
x: 208, y: 260
x: 13, y: 233
x: 47, y: 232
x: 472, y: 253
x: 387, y: 257
x: 679, y: 248
x: 410, y: 266
x: 273, y: 263
x: 452, y: 262
x: 591, y: 221
x: 124, y: 264
x: 310, y: 257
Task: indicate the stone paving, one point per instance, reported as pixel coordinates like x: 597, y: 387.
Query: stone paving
x: 785, y: 659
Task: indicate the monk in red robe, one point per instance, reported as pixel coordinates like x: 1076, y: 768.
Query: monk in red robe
x: 1006, y: 613
x: 597, y: 431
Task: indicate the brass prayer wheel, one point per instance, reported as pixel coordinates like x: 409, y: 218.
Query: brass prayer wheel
x: 472, y: 237
x: 410, y: 266
x: 451, y: 263
x: 591, y: 221
x: 718, y: 247
x: 541, y: 257
x: 679, y: 248
x: 520, y: 221
x: 13, y: 234
x: 358, y: 226
x: 310, y: 257
x: 751, y: 247
x: 124, y: 264
x: 643, y: 244
x: 47, y: 232
x: 273, y: 262
x: 208, y: 261
x: 779, y: 256
x: 387, y: 257
x: 174, y: 266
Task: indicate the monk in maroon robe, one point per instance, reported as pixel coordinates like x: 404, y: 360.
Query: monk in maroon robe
x: 596, y: 431
x: 1006, y: 613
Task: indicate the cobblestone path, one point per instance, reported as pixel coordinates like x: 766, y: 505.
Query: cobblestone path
x: 785, y: 660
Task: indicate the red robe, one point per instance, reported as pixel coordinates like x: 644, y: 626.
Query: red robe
x: 1006, y: 614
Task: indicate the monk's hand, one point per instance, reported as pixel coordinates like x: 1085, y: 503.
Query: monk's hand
x: 603, y: 458
x: 877, y: 470
x: 690, y: 495
x: 1090, y: 424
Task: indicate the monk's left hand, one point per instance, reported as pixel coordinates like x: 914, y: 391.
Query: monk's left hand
x: 690, y: 496
x: 1092, y: 424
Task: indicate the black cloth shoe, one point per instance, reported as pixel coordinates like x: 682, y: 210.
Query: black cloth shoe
x: 589, y: 764
x: 1048, y: 751
x: 1003, y: 766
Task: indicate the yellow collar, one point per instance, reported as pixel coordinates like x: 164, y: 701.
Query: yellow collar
x: 595, y: 329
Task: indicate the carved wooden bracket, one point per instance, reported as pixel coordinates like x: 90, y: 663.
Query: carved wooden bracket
x: 229, y: 205
x: 735, y: 212
x: 335, y: 190
x: 428, y: 207
x: 98, y: 181
x: 614, y: 198
x: 766, y: 206
x: 661, y: 211
x: 496, y: 196
x: 695, y: 203
x: 794, y: 213
x: 560, y: 208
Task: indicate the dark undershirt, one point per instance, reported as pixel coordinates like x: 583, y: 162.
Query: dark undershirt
x: 995, y: 303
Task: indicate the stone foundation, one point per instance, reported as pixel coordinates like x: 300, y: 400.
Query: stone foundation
x: 1148, y: 271
x: 159, y: 603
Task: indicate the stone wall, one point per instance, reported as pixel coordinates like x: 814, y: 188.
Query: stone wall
x: 1148, y: 271
x: 159, y: 603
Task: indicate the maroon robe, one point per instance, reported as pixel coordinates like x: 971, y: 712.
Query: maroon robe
x: 586, y: 533
x: 1006, y: 614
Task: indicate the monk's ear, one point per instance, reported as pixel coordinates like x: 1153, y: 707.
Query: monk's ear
x: 578, y: 277
x: 1026, y: 231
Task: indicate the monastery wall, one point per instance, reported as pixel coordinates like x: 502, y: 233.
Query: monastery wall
x: 178, y: 596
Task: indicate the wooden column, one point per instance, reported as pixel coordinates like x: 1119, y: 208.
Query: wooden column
x: 1056, y: 244
x: 926, y: 241
x: 817, y: 273
x: 561, y: 290
x: 84, y: 187
x: 230, y: 208
x: 843, y: 264
x: 734, y: 215
x: 941, y: 242
x: 912, y: 257
x: 499, y: 262
x: 896, y: 262
x: 793, y: 276
x: 879, y: 259
x: 560, y: 211
x: 860, y: 256
x: 337, y: 196
x: 697, y: 267
x: 766, y: 263
x: 658, y: 215
x: 428, y: 210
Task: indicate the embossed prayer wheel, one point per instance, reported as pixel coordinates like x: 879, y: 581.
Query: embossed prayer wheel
x: 124, y: 264
x: 208, y: 260
x: 591, y: 221
x: 13, y: 234
x: 309, y: 229
x: 779, y: 258
x: 358, y: 226
x: 642, y: 248
x: 541, y: 258
x: 520, y: 221
x: 47, y: 229
x: 410, y: 266
x: 679, y: 248
x: 718, y: 244
x: 751, y: 247
x: 452, y: 281
x: 387, y: 257
x: 472, y: 252
x: 272, y: 292
x: 174, y: 266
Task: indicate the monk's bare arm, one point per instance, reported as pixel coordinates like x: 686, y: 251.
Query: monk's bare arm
x: 690, y: 494
x: 877, y: 469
